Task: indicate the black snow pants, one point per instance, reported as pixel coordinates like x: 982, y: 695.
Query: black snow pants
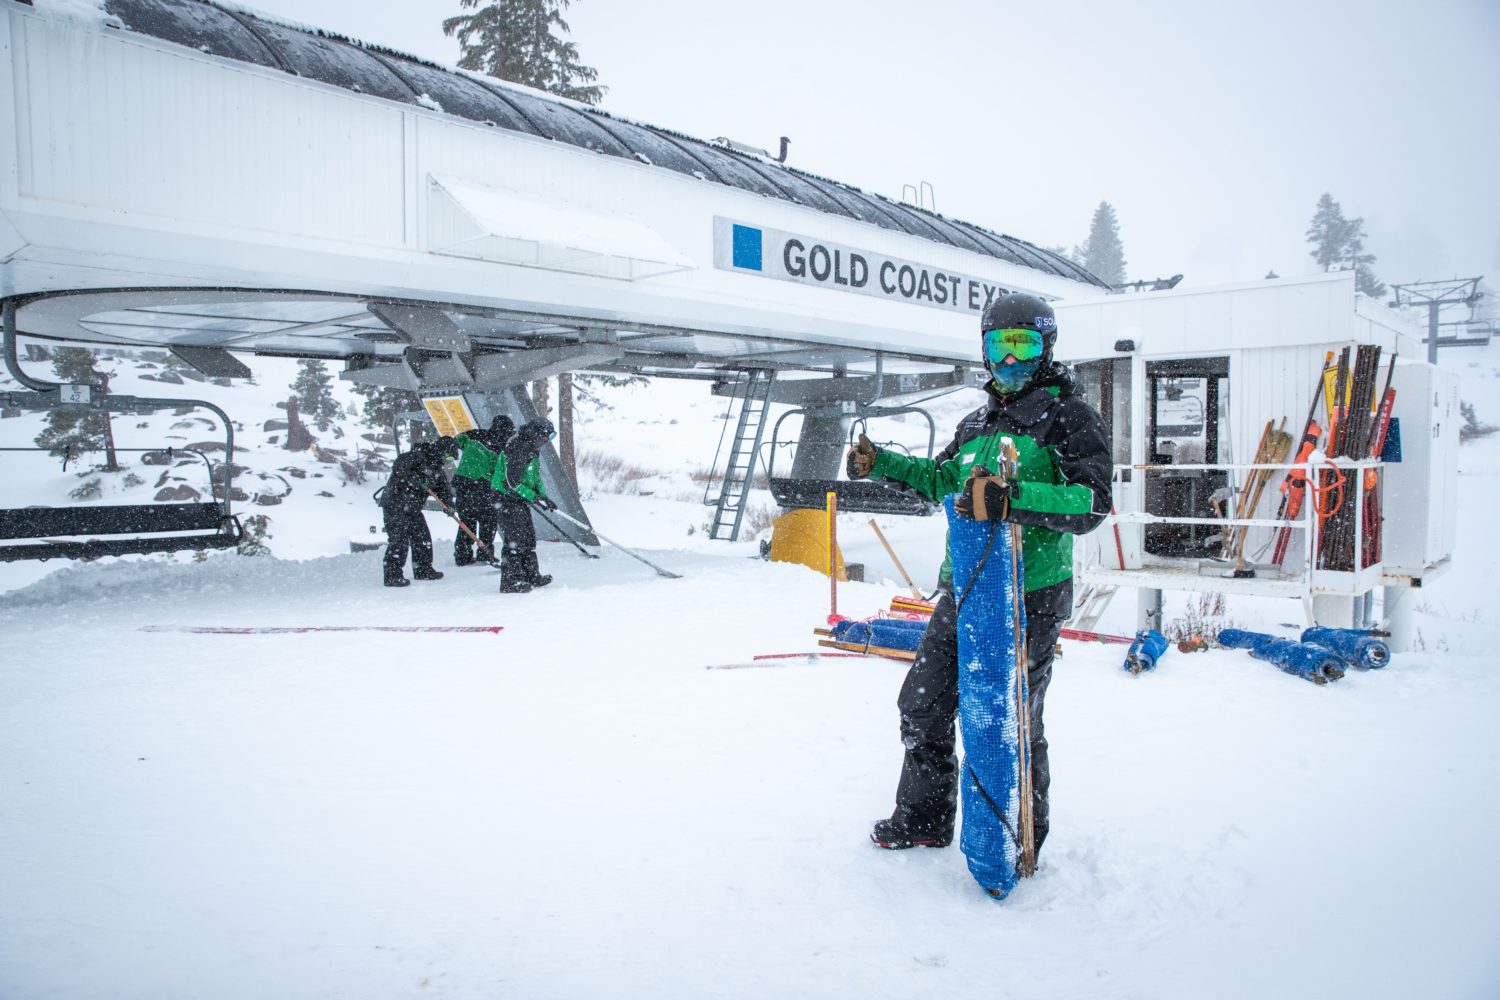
x: 474, y: 503
x: 406, y: 528
x: 927, y: 794
x: 518, y: 556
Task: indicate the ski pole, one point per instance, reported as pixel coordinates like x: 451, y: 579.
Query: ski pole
x: 543, y: 515
x: 603, y: 537
x: 449, y: 511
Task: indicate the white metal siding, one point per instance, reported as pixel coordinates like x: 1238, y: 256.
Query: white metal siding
x: 152, y: 131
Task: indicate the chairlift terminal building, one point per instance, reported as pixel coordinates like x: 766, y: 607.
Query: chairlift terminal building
x: 191, y: 175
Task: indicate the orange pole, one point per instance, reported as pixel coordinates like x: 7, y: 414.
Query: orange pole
x: 833, y: 549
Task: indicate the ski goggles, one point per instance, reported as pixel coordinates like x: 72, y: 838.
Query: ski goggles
x: 1023, y: 345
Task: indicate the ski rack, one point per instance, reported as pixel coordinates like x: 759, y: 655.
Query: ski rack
x: 1306, y: 581
x: 154, y: 527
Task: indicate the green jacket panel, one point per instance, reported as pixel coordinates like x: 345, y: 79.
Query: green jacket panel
x: 1062, y: 485
x: 529, y: 488
x: 475, y: 461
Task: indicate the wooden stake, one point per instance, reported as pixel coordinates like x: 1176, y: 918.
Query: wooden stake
x: 892, y: 553
x: 833, y: 551
x: 1274, y: 448
x: 1026, y: 861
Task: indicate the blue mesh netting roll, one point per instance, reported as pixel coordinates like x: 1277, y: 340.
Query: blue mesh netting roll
x: 1358, y: 647
x: 889, y: 633
x: 1302, y: 659
x: 987, y: 696
x: 1147, y: 648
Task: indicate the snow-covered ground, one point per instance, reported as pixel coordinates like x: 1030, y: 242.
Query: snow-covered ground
x: 577, y: 807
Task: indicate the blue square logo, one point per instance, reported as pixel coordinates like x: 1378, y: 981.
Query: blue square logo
x: 746, y: 243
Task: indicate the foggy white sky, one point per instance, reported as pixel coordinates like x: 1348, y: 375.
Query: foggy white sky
x: 1212, y: 130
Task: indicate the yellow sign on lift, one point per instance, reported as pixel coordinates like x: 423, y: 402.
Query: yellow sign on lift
x: 450, y: 414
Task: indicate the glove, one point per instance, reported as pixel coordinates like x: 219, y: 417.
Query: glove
x: 984, y: 497
x: 546, y: 503
x: 861, y: 459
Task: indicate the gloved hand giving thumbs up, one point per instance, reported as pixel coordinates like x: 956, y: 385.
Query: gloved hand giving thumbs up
x: 861, y: 459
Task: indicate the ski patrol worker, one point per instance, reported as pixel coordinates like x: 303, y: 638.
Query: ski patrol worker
x: 402, y: 498
x: 1062, y: 489
x: 518, y: 480
x: 474, y: 499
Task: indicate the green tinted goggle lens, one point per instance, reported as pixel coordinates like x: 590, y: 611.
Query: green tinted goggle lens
x: 1026, y: 345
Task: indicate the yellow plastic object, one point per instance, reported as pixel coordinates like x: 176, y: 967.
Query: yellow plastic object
x: 801, y: 536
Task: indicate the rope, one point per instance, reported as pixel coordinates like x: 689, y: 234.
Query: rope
x: 1319, y: 492
x: 978, y: 568
x: 999, y: 813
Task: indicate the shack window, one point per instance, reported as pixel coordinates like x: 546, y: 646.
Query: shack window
x: 1186, y: 402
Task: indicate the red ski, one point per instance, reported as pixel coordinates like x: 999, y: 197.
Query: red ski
x: 299, y: 629
x: 1078, y: 635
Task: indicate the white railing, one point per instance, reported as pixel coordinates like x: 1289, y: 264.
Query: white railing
x: 1170, y: 572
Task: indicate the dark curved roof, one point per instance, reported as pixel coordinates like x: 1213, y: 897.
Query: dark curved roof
x: 236, y: 33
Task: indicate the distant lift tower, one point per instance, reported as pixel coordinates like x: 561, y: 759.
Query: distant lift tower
x: 1437, y: 294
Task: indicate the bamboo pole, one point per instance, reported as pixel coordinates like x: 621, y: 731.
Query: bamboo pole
x: 892, y: 553
x: 1026, y: 861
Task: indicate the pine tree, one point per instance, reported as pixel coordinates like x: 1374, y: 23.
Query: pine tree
x: 1328, y: 234
x: 71, y: 431
x: 1339, y: 245
x: 313, y: 387
x: 384, y: 404
x: 1102, y: 253
x: 521, y: 41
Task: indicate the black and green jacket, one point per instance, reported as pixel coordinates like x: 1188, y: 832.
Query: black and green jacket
x: 518, y: 471
x: 1062, y: 486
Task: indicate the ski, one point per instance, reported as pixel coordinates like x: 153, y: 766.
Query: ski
x: 782, y: 660
x: 912, y: 606
x: 1294, y: 485
x: 1079, y: 635
x: 859, y: 647
x: 300, y: 629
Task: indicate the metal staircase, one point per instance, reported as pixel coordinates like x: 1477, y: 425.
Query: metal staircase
x: 1089, y: 606
x: 754, y: 404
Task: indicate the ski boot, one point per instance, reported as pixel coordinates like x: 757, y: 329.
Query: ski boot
x: 893, y: 835
x: 534, y: 575
x: 397, y: 581
x: 427, y: 574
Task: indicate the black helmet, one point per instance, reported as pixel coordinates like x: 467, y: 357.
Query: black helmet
x: 1022, y: 311
x: 541, y: 428
x: 503, y: 426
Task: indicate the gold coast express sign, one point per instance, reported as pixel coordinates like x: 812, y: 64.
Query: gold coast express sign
x: 773, y: 253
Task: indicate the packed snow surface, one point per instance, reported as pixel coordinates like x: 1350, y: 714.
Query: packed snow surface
x: 578, y: 806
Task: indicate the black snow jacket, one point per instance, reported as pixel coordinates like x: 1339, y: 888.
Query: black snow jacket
x: 412, y: 475
x: 1063, y: 487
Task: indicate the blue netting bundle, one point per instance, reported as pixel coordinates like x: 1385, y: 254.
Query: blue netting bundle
x: 1147, y: 648
x: 888, y: 633
x: 1302, y: 659
x: 988, y: 702
x: 1356, y: 646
